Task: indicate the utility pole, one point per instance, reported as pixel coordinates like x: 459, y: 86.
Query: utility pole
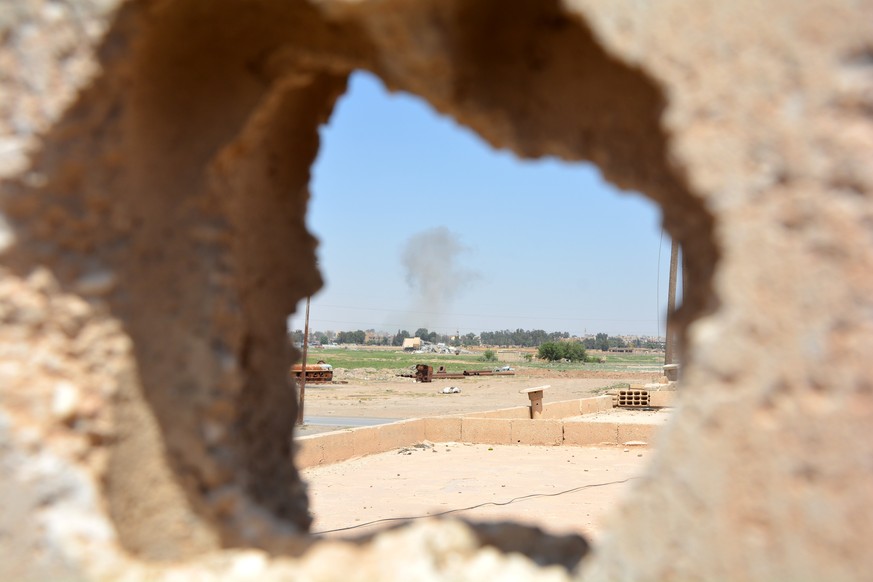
x: 670, y: 347
x: 684, y: 276
x: 302, y: 386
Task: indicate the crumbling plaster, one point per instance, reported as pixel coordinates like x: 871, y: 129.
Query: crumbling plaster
x: 155, y: 160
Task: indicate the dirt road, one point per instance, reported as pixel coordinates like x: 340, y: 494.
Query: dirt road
x: 387, y: 396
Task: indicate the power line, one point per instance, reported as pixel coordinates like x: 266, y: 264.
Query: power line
x: 470, y: 508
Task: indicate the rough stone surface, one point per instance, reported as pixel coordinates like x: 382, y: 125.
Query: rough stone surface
x: 155, y: 159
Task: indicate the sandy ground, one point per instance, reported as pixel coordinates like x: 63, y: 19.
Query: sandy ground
x: 574, y: 488
x: 400, y: 398
x: 434, y: 478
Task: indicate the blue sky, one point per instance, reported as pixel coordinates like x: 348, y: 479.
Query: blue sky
x: 515, y: 243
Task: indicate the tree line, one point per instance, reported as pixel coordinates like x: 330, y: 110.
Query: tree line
x: 502, y: 338
x: 521, y: 337
x: 603, y: 342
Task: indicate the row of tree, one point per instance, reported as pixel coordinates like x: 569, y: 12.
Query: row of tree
x: 521, y: 337
x: 504, y: 338
x: 423, y: 333
x: 351, y: 337
x: 603, y: 342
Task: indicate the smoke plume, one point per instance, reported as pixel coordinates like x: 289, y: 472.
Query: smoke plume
x: 430, y: 260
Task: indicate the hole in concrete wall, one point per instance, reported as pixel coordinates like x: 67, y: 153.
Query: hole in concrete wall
x: 171, y: 196
x: 389, y: 168
x: 352, y: 205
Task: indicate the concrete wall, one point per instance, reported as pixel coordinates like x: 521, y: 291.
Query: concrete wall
x: 500, y: 427
x: 155, y: 158
x: 561, y: 409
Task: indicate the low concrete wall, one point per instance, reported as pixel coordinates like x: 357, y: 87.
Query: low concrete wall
x: 401, y: 434
x: 595, y: 404
x: 489, y: 431
x: 504, y: 413
x: 590, y: 433
x: 341, y: 445
x: 562, y: 409
x: 608, y: 433
x: 536, y: 432
x: 497, y: 427
x: 326, y: 448
x: 442, y: 429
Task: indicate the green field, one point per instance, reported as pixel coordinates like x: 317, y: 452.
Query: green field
x: 353, y: 358
x: 613, y: 363
x: 381, y: 359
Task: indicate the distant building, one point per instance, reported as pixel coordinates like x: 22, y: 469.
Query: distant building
x: 411, y: 344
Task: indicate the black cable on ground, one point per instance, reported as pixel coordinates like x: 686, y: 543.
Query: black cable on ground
x: 495, y: 503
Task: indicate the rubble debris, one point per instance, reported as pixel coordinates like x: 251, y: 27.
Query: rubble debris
x: 425, y: 347
x: 423, y: 446
x: 425, y: 373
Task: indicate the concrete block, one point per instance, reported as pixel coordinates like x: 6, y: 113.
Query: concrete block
x: 492, y: 431
x: 442, y: 429
x: 590, y: 433
x: 633, y: 398
x: 536, y: 432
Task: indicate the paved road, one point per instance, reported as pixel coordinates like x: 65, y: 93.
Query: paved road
x: 316, y: 424
x: 346, y: 421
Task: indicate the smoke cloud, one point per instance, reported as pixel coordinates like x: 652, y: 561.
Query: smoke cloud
x: 430, y: 260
